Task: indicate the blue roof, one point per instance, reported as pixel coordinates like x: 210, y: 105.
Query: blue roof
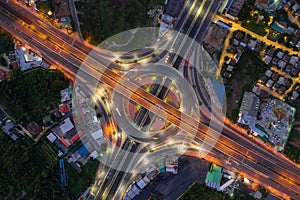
x: 277, y: 28
x: 219, y: 90
x: 228, y: 4
x: 82, y: 151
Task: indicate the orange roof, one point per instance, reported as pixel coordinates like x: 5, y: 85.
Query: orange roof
x: 76, y: 137
x: 64, y: 141
x: 7, y: 73
x: 64, y: 108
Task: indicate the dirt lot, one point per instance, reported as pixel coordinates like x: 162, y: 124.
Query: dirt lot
x: 61, y: 8
x: 169, y: 187
x: 215, y: 37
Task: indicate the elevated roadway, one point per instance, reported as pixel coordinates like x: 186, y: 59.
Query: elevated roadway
x: 285, y: 182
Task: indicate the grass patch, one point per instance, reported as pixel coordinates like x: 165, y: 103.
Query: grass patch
x: 43, y: 6
x: 241, y: 195
x: 247, y: 71
x: 259, y: 28
x: 26, y: 96
x: 249, y: 15
x: 199, y: 191
x: 102, y: 19
x: 2, y: 61
x: 78, y: 183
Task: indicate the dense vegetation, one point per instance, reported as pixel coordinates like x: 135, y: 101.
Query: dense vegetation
x: 199, y: 191
x: 245, y: 74
x: 292, y: 149
x: 30, y: 168
x: 26, y: 96
x: 6, y: 42
x: 249, y: 19
x: 102, y: 19
x: 78, y: 183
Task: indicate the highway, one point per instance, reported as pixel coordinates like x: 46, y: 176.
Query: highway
x: 141, y: 97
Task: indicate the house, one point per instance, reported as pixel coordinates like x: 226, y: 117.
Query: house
x: 64, y: 108
x: 51, y: 137
x: 66, y: 126
x: 286, y: 58
x: 270, y: 83
x: 232, y: 62
x: 8, y: 128
x: 275, y: 61
x: 245, y: 39
x: 263, y: 79
x: 291, y: 2
x: 276, y: 86
x: 268, y: 5
x: 295, y: 7
x: 295, y: 71
x: 34, y: 128
x: 288, y: 68
x: 290, y: 30
x: 65, y: 95
x: 298, y: 44
x: 287, y: 83
x: 268, y: 73
x: 241, y: 48
x: 294, y: 60
x: 275, y: 76
x: 7, y: 74
x: 226, y: 74
x: 297, y: 33
x: 239, y: 36
x: 282, y: 90
x: 294, y: 41
x: 236, y: 42
x: 267, y: 59
x: 15, y: 65
x: 232, y: 49
x: 264, y: 94
x: 229, y: 68
x: 280, y: 55
x: 55, y: 112
x: 258, y: 48
x: 252, y: 44
x: 271, y: 52
x: 281, y: 64
x: 295, y: 95
x: 281, y: 80
x: 233, y: 8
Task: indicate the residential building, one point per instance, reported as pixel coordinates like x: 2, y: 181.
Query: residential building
x: 233, y: 7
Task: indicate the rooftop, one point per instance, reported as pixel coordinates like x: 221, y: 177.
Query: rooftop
x: 250, y: 104
x: 213, y: 176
